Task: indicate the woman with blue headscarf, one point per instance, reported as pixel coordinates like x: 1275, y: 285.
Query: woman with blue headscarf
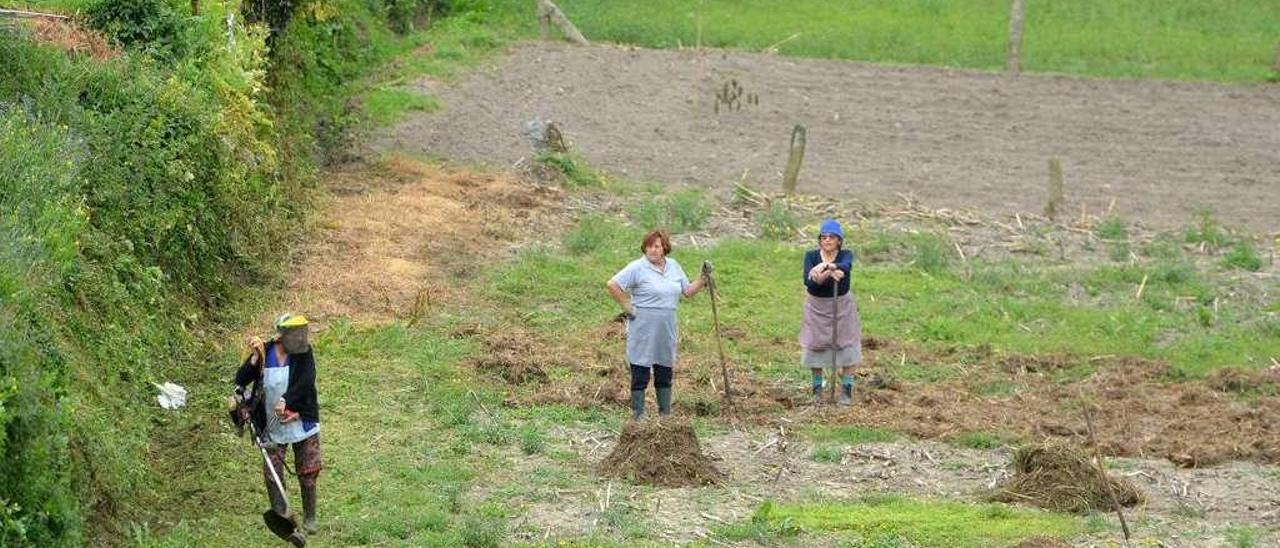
x: 830, y: 333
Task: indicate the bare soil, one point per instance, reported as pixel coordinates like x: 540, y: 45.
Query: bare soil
x: 952, y: 138
x: 1183, y: 507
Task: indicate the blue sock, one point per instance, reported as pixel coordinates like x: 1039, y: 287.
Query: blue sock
x: 846, y: 380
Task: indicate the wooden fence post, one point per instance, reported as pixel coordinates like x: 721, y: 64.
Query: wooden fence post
x: 794, y: 159
x: 1056, y: 194
x: 549, y: 13
x: 1013, y: 63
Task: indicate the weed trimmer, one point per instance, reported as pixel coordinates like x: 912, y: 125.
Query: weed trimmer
x: 284, y: 526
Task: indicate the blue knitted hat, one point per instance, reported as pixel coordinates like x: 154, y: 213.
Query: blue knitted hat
x: 831, y: 226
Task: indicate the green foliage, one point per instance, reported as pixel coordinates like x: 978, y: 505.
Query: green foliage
x: 1207, y: 230
x: 851, y: 435
x: 930, y: 253
x: 595, y: 232
x: 482, y: 532
x: 1127, y: 38
x: 983, y: 440
x: 386, y: 106
x: 138, y: 197
x: 826, y: 453
x: 156, y: 27
x: 531, y: 441
x: 1242, y: 536
x: 683, y: 211
x: 1244, y: 256
x: 131, y: 209
x: 1112, y: 228
x: 777, y: 222
x: 577, y: 174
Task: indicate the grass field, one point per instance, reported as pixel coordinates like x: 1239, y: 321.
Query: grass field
x: 1183, y: 39
x: 1020, y: 306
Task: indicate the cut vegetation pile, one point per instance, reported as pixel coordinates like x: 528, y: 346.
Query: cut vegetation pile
x: 1059, y: 478
x: 515, y: 356
x: 663, y: 453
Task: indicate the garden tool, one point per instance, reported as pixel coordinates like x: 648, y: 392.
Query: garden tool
x: 835, y: 336
x: 281, y: 522
x: 715, y: 317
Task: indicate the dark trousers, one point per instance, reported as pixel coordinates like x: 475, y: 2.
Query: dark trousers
x: 640, y: 376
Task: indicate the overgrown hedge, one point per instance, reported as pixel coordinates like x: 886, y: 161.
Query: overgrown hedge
x: 136, y: 196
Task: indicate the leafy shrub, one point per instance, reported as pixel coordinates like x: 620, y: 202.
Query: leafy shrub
x: 1206, y: 230
x: 777, y: 222
x: 683, y: 211
x: 930, y: 253
x: 1112, y: 228
x: 1243, y: 256
x: 575, y: 170
x: 153, y: 26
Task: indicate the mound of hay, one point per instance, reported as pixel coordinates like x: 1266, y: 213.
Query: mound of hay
x: 663, y: 453
x: 1055, y: 477
x: 1237, y: 380
x: 516, y: 357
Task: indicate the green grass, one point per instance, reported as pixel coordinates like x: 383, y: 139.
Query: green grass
x: 384, y: 106
x: 983, y: 440
x: 826, y: 453
x: 404, y: 442
x: 849, y: 435
x: 898, y: 521
x: 1015, y: 306
x: 1184, y: 39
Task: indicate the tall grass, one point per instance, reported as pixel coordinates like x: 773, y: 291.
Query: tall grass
x: 1184, y: 39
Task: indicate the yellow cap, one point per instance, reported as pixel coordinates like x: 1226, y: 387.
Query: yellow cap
x: 289, y: 321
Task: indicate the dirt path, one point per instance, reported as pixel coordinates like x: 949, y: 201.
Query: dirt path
x: 955, y: 139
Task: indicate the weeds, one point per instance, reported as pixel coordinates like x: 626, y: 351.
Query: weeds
x: 1243, y: 256
x: 1206, y: 231
x: 777, y: 222
x: 930, y: 253
x: 827, y: 453
x: 577, y: 174
x: 683, y: 211
x: 982, y: 440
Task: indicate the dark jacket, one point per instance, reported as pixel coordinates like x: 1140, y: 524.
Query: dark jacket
x: 299, y: 397
x: 813, y: 257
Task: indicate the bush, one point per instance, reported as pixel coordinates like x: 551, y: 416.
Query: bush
x: 1243, y: 256
x: 683, y: 211
x: 1112, y: 228
x: 152, y: 26
x: 1206, y: 231
x: 777, y: 222
x: 930, y: 253
x: 575, y: 170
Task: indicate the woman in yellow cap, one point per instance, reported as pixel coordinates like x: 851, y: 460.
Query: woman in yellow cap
x: 285, y: 408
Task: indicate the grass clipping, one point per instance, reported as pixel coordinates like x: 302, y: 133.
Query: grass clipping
x: 663, y: 453
x: 1055, y: 477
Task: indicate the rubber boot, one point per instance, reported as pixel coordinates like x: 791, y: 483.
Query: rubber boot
x: 637, y: 405
x: 846, y: 394
x: 277, y: 499
x: 664, y: 401
x: 309, y: 509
